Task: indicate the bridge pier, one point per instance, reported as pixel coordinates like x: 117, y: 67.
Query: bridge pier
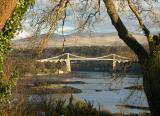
x: 68, y: 63
x: 114, y: 63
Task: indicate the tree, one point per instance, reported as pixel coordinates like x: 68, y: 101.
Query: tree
x: 7, y: 8
x: 11, y: 14
x: 150, y: 61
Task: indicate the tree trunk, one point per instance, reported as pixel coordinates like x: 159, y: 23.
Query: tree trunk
x: 6, y: 9
x: 123, y: 33
x: 150, y: 62
x: 151, y: 83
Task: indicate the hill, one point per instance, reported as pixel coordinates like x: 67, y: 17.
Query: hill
x: 82, y: 39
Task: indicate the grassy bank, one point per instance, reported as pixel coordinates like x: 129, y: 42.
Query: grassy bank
x: 53, y: 107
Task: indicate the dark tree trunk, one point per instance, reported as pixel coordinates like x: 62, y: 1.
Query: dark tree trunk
x: 150, y: 62
x: 151, y: 83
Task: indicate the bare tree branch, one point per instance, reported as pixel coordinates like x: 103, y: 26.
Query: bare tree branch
x: 53, y: 17
x: 141, y: 23
x: 123, y: 32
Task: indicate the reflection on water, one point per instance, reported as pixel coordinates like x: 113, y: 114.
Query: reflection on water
x: 108, y: 91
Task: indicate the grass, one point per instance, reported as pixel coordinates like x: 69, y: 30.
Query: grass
x: 53, y: 107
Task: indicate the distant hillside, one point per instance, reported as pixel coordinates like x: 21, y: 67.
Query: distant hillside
x: 82, y: 39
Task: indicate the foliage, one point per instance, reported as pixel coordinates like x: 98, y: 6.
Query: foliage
x: 6, y: 34
x: 26, y: 65
x: 12, y: 25
x: 90, y: 51
x: 6, y: 86
x: 55, y: 107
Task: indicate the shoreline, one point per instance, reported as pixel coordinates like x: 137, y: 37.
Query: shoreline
x: 47, y: 84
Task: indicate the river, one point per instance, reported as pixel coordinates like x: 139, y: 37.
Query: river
x: 108, y: 91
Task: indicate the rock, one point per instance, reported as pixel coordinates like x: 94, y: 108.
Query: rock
x: 134, y: 107
x: 136, y: 87
x: 97, y: 90
x: 54, y: 90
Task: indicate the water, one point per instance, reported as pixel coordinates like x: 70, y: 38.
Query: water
x: 108, y: 91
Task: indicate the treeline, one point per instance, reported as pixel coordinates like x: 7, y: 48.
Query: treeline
x: 106, y: 66
x: 27, y: 59
x: 88, y: 51
x: 24, y: 65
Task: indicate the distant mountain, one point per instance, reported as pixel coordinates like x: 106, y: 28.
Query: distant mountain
x: 95, y: 34
x: 76, y: 39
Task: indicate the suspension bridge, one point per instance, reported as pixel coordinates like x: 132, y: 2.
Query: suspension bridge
x: 68, y: 57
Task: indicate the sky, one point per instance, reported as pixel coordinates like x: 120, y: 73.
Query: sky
x: 70, y: 26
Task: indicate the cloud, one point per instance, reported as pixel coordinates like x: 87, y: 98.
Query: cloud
x: 23, y: 34
x: 70, y: 25
x: 67, y: 30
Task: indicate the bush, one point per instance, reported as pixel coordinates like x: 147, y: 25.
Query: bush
x: 54, y: 107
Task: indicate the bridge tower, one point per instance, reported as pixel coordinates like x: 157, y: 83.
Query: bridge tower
x: 68, y: 63
x: 114, y: 62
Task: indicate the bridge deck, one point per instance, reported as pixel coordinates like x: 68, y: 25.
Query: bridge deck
x: 71, y: 57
